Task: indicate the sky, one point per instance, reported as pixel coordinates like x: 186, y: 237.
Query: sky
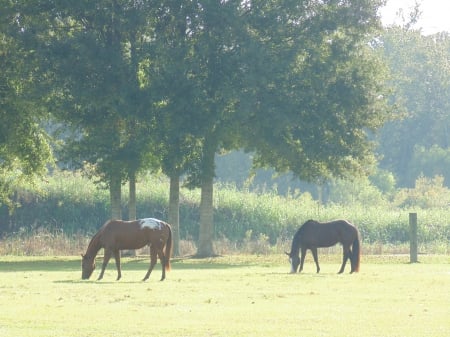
x: 435, y: 15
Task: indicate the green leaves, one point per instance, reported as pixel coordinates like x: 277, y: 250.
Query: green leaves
x: 172, y: 83
x: 420, y: 77
x: 324, y: 94
x: 24, y: 146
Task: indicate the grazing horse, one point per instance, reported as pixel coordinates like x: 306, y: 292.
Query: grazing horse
x: 116, y: 235
x: 313, y: 234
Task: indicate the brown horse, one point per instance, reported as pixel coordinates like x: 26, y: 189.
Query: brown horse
x: 312, y: 235
x: 116, y: 235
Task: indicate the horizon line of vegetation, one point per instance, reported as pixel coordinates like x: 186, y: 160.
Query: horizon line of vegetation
x: 70, y: 202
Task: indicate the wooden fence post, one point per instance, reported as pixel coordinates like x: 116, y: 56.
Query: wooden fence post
x: 413, y: 237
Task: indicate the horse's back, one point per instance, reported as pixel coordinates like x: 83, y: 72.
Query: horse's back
x: 326, y: 234
x: 120, y: 234
x: 135, y: 234
x: 347, y: 231
x: 120, y: 227
x: 347, y: 228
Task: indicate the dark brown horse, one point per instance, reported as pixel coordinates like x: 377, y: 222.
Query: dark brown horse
x: 116, y: 235
x: 312, y: 235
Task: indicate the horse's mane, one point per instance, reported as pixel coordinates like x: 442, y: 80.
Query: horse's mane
x: 295, y: 245
x: 295, y: 248
x: 94, y: 245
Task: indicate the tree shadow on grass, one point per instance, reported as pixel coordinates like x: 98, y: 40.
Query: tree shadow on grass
x: 44, y: 264
x: 101, y: 282
x: 180, y: 263
x: 58, y: 264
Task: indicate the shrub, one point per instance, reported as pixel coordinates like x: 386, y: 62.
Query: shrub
x: 72, y: 204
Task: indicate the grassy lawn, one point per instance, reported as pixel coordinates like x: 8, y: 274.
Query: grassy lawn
x: 226, y: 296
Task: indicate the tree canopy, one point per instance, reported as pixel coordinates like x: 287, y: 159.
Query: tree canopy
x: 172, y: 83
x: 24, y: 145
x: 326, y: 95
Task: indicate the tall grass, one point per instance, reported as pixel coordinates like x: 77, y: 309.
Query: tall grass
x: 43, y: 242
x: 71, y: 204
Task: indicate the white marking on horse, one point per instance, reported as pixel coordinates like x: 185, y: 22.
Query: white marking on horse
x: 150, y: 223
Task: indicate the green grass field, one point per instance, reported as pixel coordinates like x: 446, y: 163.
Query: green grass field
x: 226, y: 296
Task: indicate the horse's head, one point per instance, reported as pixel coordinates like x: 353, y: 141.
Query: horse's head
x: 87, y: 266
x: 294, y: 260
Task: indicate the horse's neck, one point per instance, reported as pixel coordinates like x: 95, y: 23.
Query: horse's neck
x: 94, y: 246
x: 295, y: 248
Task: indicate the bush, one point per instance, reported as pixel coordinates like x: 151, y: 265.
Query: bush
x: 427, y: 193
x: 72, y: 204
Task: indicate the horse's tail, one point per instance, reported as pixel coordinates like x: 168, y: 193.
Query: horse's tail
x: 356, y: 251
x: 168, y: 252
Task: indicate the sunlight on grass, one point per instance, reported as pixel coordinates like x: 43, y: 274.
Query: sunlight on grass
x: 227, y: 296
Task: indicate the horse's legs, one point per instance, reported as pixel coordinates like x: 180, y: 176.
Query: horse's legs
x: 162, y: 258
x: 106, y: 258
x: 316, y: 260
x: 117, y: 258
x: 352, y: 263
x: 352, y: 258
x: 302, y: 258
x: 346, y: 255
x: 153, y: 259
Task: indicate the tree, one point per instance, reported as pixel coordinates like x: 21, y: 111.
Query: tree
x: 191, y: 70
x: 288, y: 80
x: 293, y: 81
x: 421, y: 77
x: 430, y: 162
x: 25, y: 148
x: 329, y: 96
x: 93, y: 54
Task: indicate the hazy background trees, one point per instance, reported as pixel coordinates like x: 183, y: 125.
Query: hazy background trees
x: 419, y: 141
x: 415, y: 142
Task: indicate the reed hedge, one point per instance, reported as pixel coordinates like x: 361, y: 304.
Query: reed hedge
x: 71, y: 203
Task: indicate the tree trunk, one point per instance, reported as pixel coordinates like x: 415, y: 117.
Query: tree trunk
x: 206, y: 235
x: 205, y: 244
x: 115, y: 197
x: 132, y: 206
x: 174, y: 212
x: 132, y: 198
